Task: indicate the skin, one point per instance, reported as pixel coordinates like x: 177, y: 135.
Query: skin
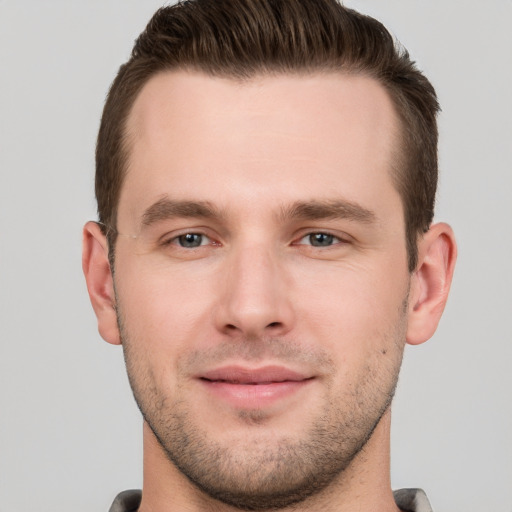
x: 302, y: 264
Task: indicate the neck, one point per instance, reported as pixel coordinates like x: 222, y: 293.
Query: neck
x: 364, y: 485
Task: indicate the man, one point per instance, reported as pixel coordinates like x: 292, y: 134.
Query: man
x: 266, y: 174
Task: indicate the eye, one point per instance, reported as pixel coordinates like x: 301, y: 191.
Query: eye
x: 190, y: 240
x: 319, y: 240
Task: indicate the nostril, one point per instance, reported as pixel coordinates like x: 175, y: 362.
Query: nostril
x: 274, y: 324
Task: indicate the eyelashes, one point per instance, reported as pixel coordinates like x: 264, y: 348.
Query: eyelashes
x: 197, y: 239
x: 190, y: 240
x: 320, y: 239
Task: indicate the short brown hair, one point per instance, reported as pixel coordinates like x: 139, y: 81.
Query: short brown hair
x: 243, y: 38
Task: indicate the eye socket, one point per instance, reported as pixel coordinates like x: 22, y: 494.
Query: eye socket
x: 319, y: 239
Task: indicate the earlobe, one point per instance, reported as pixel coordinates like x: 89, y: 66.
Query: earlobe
x: 430, y: 283
x: 99, y: 280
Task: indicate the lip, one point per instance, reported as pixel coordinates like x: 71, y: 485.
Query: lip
x: 250, y: 388
x: 264, y: 375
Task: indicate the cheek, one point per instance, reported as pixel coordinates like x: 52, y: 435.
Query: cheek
x: 363, y: 330
x: 161, y: 313
x: 353, y: 310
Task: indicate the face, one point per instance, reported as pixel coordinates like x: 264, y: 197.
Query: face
x: 261, y: 277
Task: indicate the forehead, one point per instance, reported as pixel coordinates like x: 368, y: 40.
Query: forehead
x: 287, y: 135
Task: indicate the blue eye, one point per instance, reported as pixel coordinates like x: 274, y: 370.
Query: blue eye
x: 191, y: 240
x: 319, y: 240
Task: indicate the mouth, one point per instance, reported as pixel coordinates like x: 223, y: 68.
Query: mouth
x: 265, y: 375
x: 254, y: 388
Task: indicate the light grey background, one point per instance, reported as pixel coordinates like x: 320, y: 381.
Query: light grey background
x: 70, y: 433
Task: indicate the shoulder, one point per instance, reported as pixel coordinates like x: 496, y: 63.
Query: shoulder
x: 412, y: 500
x: 126, y: 501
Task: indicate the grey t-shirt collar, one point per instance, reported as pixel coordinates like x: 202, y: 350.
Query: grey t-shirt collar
x: 409, y: 500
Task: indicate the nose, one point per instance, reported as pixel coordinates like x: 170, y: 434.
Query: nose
x: 255, y: 295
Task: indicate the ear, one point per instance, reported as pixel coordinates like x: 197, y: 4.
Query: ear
x: 99, y: 280
x: 430, y: 283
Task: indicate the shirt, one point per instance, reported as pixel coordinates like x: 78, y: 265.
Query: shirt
x: 409, y: 500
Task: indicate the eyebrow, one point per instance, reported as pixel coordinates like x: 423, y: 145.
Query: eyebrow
x: 330, y: 209
x: 166, y: 208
